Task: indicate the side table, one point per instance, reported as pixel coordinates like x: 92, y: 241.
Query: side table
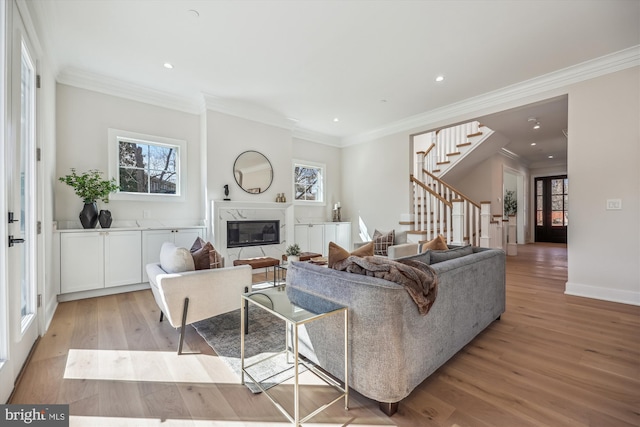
x: 296, y: 308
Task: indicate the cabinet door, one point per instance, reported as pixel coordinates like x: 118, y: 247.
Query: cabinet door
x: 152, y: 241
x: 301, y: 236
x: 316, y: 238
x: 184, y: 237
x: 330, y: 233
x: 123, y: 258
x: 343, y: 235
x: 81, y: 261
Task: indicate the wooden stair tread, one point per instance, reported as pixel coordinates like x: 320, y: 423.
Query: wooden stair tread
x: 464, y: 144
x: 457, y: 153
x: 474, y: 134
x: 443, y: 163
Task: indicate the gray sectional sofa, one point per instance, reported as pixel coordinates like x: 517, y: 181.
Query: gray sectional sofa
x: 392, y: 347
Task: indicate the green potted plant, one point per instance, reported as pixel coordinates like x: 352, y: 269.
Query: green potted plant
x: 293, y: 252
x: 90, y: 186
x: 510, y: 203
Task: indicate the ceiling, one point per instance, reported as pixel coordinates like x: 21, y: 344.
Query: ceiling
x: 368, y: 64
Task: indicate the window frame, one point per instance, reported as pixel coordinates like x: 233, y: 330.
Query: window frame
x: 323, y: 174
x: 114, y: 138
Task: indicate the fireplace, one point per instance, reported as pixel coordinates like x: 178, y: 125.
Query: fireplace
x: 252, y: 233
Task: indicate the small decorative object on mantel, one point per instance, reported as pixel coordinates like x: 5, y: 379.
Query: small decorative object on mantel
x: 336, y: 212
x: 91, y: 187
x: 280, y: 198
x: 293, y: 253
x: 226, y: 192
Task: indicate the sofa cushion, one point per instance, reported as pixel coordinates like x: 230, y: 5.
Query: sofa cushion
x: 381, y: 241
x: 437, y: 244
x: 424, y: 257
x: 174, y: 259
x: 205, y: 255
x: 337, y: 253
x: 439, y: 256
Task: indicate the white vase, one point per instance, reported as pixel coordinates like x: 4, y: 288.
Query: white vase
x: 292, y: 258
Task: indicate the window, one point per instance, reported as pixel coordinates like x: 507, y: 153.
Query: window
x: 308, y: 182
x: 146, y: 165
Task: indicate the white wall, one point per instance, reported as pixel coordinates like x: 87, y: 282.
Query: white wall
x: 229, y: 136
x: 83, y: 118
x: 375, y: 184
x: 604, y: 153
x: 331, y: 157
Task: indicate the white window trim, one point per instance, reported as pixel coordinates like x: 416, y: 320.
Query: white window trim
x: 114, y: 135
x: 321, y: 166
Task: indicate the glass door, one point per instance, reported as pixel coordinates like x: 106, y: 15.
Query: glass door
x: 21, y: 323
x: 552, y: 209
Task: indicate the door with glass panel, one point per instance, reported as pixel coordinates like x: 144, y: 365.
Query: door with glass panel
x: 552, y: 209
x: 21, y: 328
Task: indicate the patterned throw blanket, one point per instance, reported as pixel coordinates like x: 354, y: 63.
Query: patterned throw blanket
x: 416, y: 277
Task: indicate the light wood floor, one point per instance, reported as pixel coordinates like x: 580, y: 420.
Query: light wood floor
x: 553, y: 360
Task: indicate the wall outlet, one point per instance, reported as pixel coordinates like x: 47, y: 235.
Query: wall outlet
x: 146, y: 214
x: 614, y: 204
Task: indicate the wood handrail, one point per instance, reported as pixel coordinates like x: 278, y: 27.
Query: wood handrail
x: 433, y: 193
x: 462, y: 196
x: 429, y: 149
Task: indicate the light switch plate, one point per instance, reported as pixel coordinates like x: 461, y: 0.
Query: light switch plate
x: 614, y: 204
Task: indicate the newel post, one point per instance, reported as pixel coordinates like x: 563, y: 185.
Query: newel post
x: 457, y: 222
x: 485, y: 221
x: 512, y: 246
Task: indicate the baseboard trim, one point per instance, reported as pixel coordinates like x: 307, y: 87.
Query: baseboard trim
x: 606, y: 294
x: 102, y: 292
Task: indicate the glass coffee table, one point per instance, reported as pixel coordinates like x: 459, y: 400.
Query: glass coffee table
x: 296, y: 308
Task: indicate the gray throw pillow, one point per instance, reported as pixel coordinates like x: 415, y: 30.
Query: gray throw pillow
x: 422, y: 257
x: 439, y: 256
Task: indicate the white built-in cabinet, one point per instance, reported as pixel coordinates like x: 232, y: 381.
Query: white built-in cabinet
x: 99, y: 259
x: 91, y: 260
x: 315, y: 237
x: 152, y: 241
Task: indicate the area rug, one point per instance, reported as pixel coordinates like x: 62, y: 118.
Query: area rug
x: 266, y: 337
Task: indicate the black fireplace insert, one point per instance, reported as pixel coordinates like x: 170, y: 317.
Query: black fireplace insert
x: 252, y: 233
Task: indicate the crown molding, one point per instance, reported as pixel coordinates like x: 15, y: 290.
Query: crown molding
x: 313, y: 136
x: 247, y: 110
x: 559, y: 79
x: 110, y: 86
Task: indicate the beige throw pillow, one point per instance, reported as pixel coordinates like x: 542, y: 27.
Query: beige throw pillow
x: 437, y: 244
x: 382, y: 241
x: 337, y: 253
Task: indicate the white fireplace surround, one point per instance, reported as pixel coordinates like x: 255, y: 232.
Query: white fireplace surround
x: 223, y: 211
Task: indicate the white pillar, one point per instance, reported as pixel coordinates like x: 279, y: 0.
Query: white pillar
x: 512, y: 239
x: 485, y: 221
x: 457, y: 222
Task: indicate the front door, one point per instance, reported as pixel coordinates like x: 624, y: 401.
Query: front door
x: 20, y: 324
x: 552, y: 209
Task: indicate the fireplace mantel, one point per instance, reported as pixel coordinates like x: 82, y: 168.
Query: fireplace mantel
x: 225, y: 210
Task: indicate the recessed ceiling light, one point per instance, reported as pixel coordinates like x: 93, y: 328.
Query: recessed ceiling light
x: 533, y: 144
x: 537, y: 125
x: 439, y: 78
x: 168, y: 65
x: 551, y: 157
x: 194, y: 13
x: 336, y: 119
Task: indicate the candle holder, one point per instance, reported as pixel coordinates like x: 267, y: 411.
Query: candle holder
x: 336, y: 215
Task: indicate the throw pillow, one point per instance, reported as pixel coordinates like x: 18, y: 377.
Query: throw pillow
x: 424, y: 257
x: 381, y: 241
x: 439, y: 256
x: 337, y: 253
x: 215, y: 259
x: 437, y: 244
x: 174, y: 259
x: 205, y: 255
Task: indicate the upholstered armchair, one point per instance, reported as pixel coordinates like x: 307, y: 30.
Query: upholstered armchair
x: 185, y: 295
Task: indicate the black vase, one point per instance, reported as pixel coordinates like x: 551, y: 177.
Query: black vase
x: 89, y: 215
x: 105, y: 218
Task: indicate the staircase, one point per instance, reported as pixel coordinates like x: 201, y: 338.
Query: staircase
x: 439, y: 208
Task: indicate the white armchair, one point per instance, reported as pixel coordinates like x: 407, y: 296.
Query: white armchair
x: 190, y: 296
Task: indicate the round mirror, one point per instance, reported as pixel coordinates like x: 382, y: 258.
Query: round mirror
x: 253, y: 172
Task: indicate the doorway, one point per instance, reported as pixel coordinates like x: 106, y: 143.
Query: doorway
x: 552, y: 204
